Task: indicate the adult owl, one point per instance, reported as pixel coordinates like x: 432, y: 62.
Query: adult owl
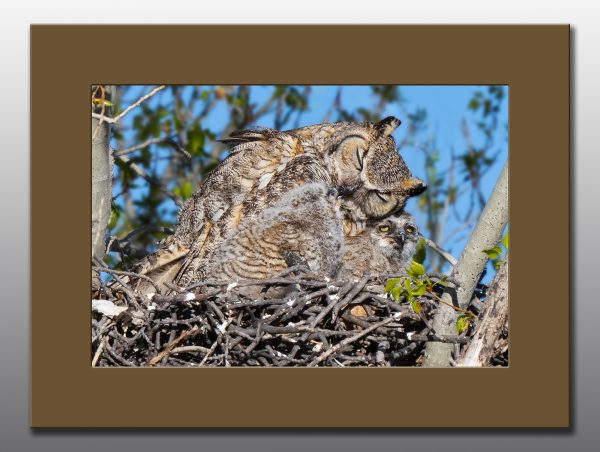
x: 384, y: 246
x: 358, y: 159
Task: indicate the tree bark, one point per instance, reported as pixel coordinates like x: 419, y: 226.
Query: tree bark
x: 101, y: 180
x: 468, y: 270
x: 480, y: 350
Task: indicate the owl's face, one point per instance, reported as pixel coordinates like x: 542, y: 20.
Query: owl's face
x: 372, y: 176
x: 396, y: 236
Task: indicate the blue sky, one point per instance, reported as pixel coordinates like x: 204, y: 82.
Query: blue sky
x: 446, y: 107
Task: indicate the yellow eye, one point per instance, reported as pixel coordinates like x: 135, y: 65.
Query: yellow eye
x: 409, y: 228
x: 384, y: 228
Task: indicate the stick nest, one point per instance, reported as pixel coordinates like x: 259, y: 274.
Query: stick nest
x: 289, y: 320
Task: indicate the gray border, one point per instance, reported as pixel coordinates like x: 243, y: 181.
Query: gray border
x: 14, y: 431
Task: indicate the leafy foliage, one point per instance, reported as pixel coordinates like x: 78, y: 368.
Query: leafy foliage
x: 412, y: 286
x: 497, y: 253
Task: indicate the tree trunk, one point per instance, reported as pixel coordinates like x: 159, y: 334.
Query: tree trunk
x: 101, y: 180
x: 468, y: 270
x: 481, y: 349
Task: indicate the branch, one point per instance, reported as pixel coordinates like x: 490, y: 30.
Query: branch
x: 140, y: 172
x: 435, y: 247
x: 130, y: 274
x: 168, y: 140
x: 469, y: 268
x: 128, y: 109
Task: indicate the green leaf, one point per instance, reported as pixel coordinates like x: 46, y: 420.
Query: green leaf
x: 462, y: 323
x: 186, y: 189
x: 421, y: 252
x: 396, y: 293
x: 391, y: 284
x: 415, y: 306
x: 407, y: 285
x: 474, y: 104
x: 505, y: 240
x: 493, y: 253
x: 417, y: 269
x: 441, y: 281
x: 419, y: 290
x: 113, y: 217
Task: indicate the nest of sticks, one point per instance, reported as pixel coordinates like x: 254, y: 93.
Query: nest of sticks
x: 292, y: 319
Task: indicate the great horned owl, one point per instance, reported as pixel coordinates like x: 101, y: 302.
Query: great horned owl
x: 304, y: 224
x: 359, y: 159
x: 384, y: 246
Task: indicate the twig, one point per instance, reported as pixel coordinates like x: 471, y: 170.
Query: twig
x: 348, y: 341
x: 117, y: 118
x: 213, y: 347
x: 129, y: 150
x: 131, y: 274
x: 169, y: 348
x: 98, y: 353
x: 434, y: 246
x: 169, y: 140
x: 140, y: 172
x: 190, y: 349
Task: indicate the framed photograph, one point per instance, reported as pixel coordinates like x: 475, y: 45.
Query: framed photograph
x: 261, y: 238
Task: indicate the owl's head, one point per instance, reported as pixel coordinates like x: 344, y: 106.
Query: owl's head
x: 396, y: 236
x: 360, y: 159
x: 370, y: 173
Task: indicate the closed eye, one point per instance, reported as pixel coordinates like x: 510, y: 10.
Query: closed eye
x: 385, y: 197
x: 359, y: 159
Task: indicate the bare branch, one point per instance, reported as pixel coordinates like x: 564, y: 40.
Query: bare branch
x: 140, y: 172
x: 438, y: 249
x: 130, y: 274
x: 128, y: 109
x: 169, y: 140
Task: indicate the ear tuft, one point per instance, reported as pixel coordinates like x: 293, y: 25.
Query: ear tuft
x: 245, y: 136
x: 387, y: 125
x: 414, y: 186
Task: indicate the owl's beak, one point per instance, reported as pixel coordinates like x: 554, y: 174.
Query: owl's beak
x: 400, y: 239
x: 347, y: 191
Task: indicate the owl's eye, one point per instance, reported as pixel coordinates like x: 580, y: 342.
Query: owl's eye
x: 359, y: 158
x: 350, y: 154
x: 385, y: 197
x: 409, y: 228
x: 384, y: 228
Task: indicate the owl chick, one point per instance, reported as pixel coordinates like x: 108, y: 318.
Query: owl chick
x: 359, y: 159
x: 384, y: 246
x: 305, y: 224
